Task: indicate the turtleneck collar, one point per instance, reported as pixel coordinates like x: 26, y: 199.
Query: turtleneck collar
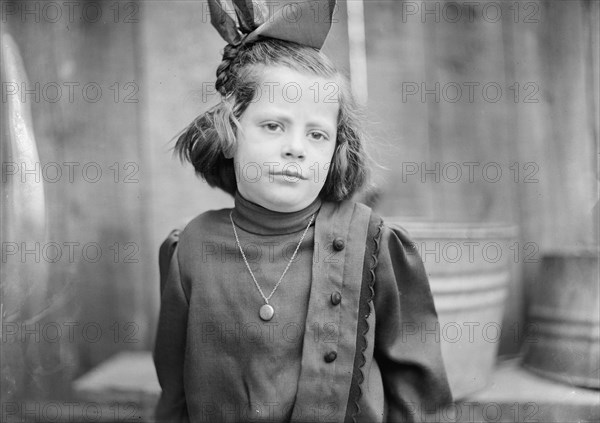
x: 257, y: 219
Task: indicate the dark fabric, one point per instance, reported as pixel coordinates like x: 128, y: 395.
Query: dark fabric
x: 402, y: 373
x: 302, y: 22
x: 258, y: 220
x: 407, y: 347
x: 165, y: 253
x: 171, y: 346
x: 213, y: 369
x: 329, y: 344
x: 366, y: 298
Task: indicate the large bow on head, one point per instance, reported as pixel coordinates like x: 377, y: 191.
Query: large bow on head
x: 244, y: 21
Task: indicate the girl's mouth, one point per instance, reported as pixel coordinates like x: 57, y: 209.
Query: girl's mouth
x: 288, y: 175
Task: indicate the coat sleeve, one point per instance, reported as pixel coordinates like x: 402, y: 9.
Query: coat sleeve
x: 169, y: 350
x: 407, y: 341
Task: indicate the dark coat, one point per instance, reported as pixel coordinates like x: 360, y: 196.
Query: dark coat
x: 362, y: 348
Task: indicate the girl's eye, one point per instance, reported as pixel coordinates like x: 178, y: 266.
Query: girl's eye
x: 272, y: 127
x: 318, y: 136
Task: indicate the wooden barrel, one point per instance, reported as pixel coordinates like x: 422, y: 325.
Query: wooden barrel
x: 469, y: 268
x: 565, y: 320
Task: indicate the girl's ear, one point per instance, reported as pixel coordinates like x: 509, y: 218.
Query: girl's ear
x: 230, y: 152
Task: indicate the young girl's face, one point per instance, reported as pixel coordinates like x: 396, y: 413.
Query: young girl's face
x: 287, y: 139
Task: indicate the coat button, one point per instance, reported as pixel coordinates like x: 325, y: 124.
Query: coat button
x: 330, y: 356
x: 338, y: 244
x: 336, y: 298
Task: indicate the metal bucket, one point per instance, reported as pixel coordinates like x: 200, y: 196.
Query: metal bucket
x: 565, y: 320
x: 469, y: 268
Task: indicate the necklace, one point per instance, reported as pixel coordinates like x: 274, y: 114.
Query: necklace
x: 267, y: 311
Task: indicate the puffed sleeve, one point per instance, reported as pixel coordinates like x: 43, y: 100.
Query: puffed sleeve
x: 407, y: 348
x: 169, y: 350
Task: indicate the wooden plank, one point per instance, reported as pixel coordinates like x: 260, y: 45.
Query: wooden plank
x: 398, y: 127
x: 571, y: 148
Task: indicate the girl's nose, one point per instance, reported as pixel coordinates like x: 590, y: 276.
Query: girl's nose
x: 293, y: 147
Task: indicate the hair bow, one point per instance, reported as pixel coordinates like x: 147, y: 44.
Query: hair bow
x: 243, y: 21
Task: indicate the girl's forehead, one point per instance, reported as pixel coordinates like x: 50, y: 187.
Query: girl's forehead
x: 273, y: 76
x: 284, y: 84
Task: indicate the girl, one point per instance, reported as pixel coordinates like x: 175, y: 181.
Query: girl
x: 297, y: 304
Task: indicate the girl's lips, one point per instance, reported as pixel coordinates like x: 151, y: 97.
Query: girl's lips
x: 288, y: 175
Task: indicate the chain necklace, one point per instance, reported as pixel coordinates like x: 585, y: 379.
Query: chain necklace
x: 267, y: 311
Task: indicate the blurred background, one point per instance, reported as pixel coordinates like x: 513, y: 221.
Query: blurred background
x: 484, y: 119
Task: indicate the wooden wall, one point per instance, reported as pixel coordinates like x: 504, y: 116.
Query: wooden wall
x: 533, y: 116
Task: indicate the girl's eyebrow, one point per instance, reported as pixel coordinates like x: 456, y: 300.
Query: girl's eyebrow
x: 269, y: 113
x: 321, y: 124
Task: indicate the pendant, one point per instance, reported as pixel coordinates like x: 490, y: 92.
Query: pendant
x: 266, y: 312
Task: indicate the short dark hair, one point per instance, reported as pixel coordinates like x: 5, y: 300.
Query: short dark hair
x: 206, y: 142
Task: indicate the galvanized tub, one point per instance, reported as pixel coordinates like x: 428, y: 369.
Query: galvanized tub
x: 565, y: 319
x: 469, y: 268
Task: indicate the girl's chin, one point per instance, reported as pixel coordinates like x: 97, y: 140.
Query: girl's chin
x: 284, y: 202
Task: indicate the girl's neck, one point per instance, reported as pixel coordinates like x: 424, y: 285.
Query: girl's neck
x: 259, y: 220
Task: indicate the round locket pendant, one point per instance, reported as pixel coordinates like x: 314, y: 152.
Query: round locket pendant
x: 266, y: 312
